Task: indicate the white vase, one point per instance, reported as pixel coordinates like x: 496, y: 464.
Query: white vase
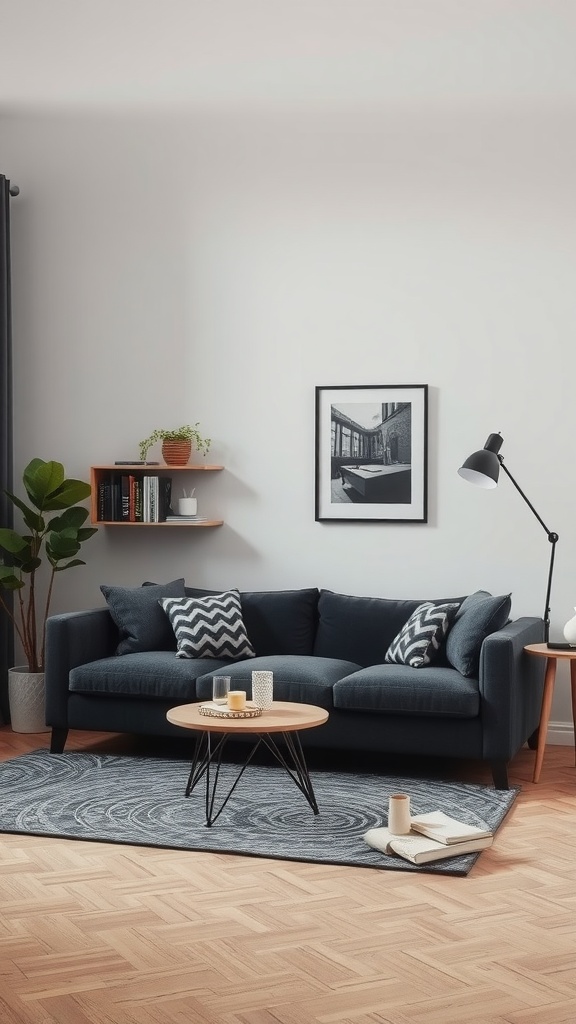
x: 263, y: 689
x: 26, y: 694
x: 570, y: 630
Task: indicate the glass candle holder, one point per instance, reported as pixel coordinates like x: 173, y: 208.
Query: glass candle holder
x: 220, y: 688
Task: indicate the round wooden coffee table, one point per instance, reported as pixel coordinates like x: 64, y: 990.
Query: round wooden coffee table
x: 284, y: 718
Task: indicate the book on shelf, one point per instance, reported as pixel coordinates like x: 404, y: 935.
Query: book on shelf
x: 444, y: 829
x: 419, y: 849
x: 102, y: 501
x: 153, y: 499
x: 125, y: 492
x: 138, y: 499
x: 131, y: 498
x: 164, y: 497
x: 186, y: 519
x: 116, y: 499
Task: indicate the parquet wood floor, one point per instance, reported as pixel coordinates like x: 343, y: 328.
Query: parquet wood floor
x: 98, y: 934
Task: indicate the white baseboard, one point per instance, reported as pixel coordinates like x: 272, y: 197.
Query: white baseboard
x: 561, y: 734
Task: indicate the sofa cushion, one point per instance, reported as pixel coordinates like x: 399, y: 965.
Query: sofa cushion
x: 358, y: 629
x: 209, y: 627
x: 281, y: 621
x: 142, y: 624
x: 304, y: 679
x: 157, y: 675
x: 400, y: 689
x: 361, y: 629
x: 479, y: 616
x: 419, y: 640
x: 277, y: 621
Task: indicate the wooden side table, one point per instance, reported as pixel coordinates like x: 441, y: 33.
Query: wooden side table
x: 552, y: 658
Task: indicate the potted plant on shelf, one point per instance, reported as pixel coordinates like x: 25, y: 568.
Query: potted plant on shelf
x: 176, y: 444
x: 58, y: 539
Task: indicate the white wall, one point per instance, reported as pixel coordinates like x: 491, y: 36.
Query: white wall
x: 169, y: 269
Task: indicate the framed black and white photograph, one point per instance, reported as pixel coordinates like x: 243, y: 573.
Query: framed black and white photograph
x: 372, y: 453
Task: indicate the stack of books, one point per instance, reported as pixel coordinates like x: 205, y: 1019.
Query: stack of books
x: 186, y: 519
x: 433, y: 836
x: 134, y: 498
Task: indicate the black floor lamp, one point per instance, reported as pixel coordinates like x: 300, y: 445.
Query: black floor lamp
x: 483, y: 468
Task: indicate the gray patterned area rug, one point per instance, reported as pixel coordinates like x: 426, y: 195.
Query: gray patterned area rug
x: 140, y: 801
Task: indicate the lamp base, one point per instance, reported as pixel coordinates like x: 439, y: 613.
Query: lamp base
x: 561, y: 647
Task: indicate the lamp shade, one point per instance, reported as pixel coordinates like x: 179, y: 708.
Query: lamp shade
x: 483, y: 467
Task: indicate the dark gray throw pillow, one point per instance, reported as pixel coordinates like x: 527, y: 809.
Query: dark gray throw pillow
x: 142, y: 623
x: 480, y: 615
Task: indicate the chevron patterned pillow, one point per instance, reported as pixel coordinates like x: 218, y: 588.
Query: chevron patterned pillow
x: 420, y: 638
x: 209, y: 627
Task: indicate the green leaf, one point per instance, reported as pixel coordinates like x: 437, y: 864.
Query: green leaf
x: 69, y: 565
x: 41, y: 479
x: 12, y: 541
x: 31, y: 518
x: 69, y: 493
x: 86, y: 533
x: 30, y: 565
x: 72, y: 517
x: 62, y: 545
x: 8, y: 580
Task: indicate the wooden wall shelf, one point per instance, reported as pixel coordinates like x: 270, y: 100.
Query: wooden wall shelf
x: 103, y: 472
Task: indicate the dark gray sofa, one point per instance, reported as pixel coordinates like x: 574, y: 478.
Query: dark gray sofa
x: 324, y: 648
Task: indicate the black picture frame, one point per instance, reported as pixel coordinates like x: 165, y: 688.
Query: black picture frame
x: 372, y: 453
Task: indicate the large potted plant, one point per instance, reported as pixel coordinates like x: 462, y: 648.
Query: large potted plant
x: 176, y: 444
x: 58, y: 541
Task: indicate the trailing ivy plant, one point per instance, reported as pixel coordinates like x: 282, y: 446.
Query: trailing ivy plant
x: 58, y: 538
x: 186, y: 433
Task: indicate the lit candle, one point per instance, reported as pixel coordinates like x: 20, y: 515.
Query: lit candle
x: 236, y: 700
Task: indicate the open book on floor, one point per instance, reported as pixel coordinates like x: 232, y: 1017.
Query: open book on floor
x: 444, y: 829
x: 419, y: 849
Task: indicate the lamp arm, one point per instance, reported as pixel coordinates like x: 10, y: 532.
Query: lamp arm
x: 552, y: 537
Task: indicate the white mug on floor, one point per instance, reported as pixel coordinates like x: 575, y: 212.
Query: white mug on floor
x: 399, y: 814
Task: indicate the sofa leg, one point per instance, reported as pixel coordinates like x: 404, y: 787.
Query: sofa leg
x: 500, y: 774
x: 533, y: 739
x: 58, y: 740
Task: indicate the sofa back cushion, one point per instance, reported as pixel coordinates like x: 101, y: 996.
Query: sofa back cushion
x: 277, y: 621
x: 479, y: 616
x: 358, y: 629
x: 361, y: 629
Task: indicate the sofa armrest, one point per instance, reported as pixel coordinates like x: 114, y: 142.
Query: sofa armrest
x: 73, y: 638
x: 511, y: 684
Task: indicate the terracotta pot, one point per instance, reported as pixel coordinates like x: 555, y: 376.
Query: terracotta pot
x: 176, y: 453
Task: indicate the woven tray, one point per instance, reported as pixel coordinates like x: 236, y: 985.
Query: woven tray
x: 250, y: 711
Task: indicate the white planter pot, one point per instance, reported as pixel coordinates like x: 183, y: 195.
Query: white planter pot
x: 27, y: 700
